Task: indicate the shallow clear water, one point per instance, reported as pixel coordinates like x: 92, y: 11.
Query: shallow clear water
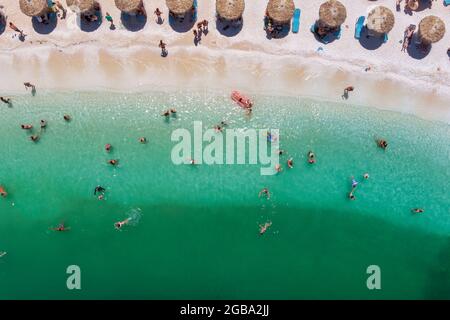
x: 197, y: 236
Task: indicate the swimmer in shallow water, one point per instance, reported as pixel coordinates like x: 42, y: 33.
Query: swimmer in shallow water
x: 382, y: 144
x: 278, y: 167
x: 67, y: 118
x: 3, y: 192
x: 366, y: 176
x: 120, y: 224
x: 34, y: 138
x: 143, y: 140
x: 108, y: 147
x: 311, y: 157
x: 263, y: 227
x: 290, y: 163
x: 43, y: 124
x: 113, y: 162
x: 351, y: 195
x: 61, y: 227
x: 265, y: 192
x: 26, y: 126
x: 354, y: 182
x: 417, y: 210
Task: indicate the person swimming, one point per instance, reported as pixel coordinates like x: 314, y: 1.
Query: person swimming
x: 311, y: 157
x: 67, y: 118
x: 6, y: 100
x: 99, y: 189
x: 417, y: 210
x: 143, y: 140
x: 3, y: 192
x: 166, y: 113
x: 280, y: 152
x: 26, y: 126
x: 366, y: 176
x: 34, y: 138
x: 278, y: 167
x: 382, y: 144
x: 113, y: 162
x: 61, y: 227
x: 263, y: 227
x: 120, y: 224
x: 43, y: 124
x: 351, y: 195
x: 2, y: 253
x: 290, y: 163
x: 354, y: 182
x: 265, y: 192
x: 108, y: 147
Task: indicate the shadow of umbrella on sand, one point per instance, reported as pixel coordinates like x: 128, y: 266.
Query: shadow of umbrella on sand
x: 229, y: 16
x: 132, y: 16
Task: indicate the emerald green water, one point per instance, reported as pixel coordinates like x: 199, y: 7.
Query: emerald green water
x: 198, y: 234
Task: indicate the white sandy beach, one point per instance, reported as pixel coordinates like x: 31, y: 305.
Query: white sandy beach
x: 71, y: 59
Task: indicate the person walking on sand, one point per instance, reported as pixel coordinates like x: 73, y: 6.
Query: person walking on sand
x: 162, y: 45
x: 29, y: 85
x: 205, y: 26
x: 13, y: 27
x: 200, y: 27
x: 61, y: 7
x: 195, y: 37
x: 346, y: 91
x: 110, y: 20
x: 158, y: 14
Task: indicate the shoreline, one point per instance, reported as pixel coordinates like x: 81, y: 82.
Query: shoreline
x: 319, y: 80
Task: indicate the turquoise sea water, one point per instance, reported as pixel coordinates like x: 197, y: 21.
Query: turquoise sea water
x: 198, y: 235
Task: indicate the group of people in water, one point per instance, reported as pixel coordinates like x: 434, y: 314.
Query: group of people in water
x: 100, y: 191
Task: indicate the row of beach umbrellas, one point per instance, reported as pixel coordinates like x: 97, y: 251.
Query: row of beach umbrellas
x: 332, y: 13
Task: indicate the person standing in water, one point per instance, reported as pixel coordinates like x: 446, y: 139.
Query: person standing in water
x: 108, y: 147
x: 6, y: 100
x: 162, y: 45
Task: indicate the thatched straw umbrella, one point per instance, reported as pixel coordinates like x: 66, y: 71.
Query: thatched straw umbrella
x: 34, y: 8
x: 82, y: 5
x: 230, y: 9
x: 280, y: 11
x: 180, y: 7
x: 332, y: 14
x: 380, y: 20
x: 129, y: 6
x: 431, y: 29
